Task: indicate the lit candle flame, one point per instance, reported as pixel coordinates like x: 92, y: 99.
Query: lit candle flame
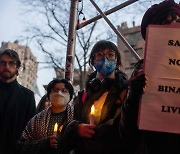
x: 92, y: 113
x: 55, y: 127
x: 92, y: 110
x: 60, y: 128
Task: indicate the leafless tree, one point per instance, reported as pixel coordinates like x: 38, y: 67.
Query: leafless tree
x: 47, y: 26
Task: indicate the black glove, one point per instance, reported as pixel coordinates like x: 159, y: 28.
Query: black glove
x: 137, y: 84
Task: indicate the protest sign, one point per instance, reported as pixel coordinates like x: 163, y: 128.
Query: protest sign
x: 160, y: 105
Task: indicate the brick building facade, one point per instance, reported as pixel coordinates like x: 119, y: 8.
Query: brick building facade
x: 134, y: 38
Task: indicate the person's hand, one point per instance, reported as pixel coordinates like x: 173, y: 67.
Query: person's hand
x: 86, y: 130
x: 139, y: 84
x: 137, y: 70
x: 53, y: 141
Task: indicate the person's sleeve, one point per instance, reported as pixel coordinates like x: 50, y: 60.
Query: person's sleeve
x: 128, y: 123
x: 31, y: 111
x: 69, y: 137
x: 28, y: 143
x: 78, y: 105
x: 33, y: 146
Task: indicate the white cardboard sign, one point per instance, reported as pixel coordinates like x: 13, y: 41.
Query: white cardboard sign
x: 160, y: 105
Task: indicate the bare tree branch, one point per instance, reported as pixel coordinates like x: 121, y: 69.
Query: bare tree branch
x: 48, y: 28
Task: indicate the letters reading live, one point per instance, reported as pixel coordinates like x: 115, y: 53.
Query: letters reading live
x: 160, y: 104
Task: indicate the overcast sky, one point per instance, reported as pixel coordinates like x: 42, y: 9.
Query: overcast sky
x: 11, y: 27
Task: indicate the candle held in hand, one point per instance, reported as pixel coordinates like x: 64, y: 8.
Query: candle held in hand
x: 55, y: 129
x: 91, y: 118
x: 60, y: 128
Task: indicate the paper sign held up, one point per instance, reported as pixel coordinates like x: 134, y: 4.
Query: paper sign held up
x: 160, y: 105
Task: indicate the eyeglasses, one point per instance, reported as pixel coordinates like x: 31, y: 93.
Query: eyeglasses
x: 111, y: 55
x: 5, y: 63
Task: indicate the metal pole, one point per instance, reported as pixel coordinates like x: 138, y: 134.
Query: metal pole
x: 116, y: 31
x: 106, y: 13
x: 69, y: 69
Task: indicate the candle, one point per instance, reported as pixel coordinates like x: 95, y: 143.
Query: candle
x: 91, y: 118
x: 55, y: 129
x: 60, y: 128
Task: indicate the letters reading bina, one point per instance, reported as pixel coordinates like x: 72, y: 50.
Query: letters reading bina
x: 169, y: 89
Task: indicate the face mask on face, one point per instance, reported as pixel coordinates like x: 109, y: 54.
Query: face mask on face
x: 59, y: 99
x: 66, y: 98
x: 105, y: 66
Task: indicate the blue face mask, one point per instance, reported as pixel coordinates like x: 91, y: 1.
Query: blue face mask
x: 105, y: 66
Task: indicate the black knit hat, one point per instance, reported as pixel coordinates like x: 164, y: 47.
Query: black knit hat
x: 154, y: 15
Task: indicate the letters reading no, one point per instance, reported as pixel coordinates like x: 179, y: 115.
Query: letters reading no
x: 174, y: 62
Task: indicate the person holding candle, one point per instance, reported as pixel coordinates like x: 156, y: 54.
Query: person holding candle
x: 148, y: 142
x: 97, y: 109
x: 43, y: 130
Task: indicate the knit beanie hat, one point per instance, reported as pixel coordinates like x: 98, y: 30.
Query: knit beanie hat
x: 154, y: 14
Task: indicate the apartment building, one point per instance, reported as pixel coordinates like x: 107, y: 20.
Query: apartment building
x: 134, y: 38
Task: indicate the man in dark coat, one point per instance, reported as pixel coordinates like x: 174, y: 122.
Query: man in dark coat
x: 17, y: 103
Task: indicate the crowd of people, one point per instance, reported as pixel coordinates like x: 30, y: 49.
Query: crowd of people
x: 102, y: 118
